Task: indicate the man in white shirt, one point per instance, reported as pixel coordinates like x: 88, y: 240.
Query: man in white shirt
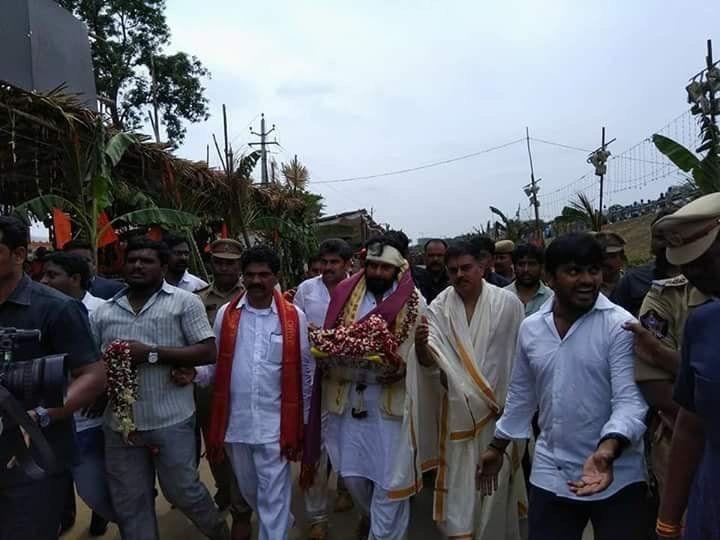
x: 261, y: 386
x: 177, y: 268
x: 313, y: 298
x: 575, y: 361
x: 69, y: 273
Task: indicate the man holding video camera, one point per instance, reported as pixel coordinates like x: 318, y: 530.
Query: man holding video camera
x: 30, y: 508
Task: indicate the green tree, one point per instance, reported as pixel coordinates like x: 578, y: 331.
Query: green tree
x: 132, y: 73
x: 704, y: 170
x: 91, y: 189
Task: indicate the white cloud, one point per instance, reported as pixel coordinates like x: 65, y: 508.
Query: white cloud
x: 358, y: 88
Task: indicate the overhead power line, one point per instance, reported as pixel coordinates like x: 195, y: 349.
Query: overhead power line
x: 420, y: 167
x: 567, y: 146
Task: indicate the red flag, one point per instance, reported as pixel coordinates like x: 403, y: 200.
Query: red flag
x: 63, y: 228
x: 109, y: 236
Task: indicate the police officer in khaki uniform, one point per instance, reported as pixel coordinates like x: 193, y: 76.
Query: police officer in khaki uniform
x: 692, y: 235
x: 662, y: 315
x: 659, y: 335
x: 225, y: 263
x: 503, y: 259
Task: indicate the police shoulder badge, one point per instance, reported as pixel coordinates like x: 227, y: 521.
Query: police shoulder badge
x: 655, y: 323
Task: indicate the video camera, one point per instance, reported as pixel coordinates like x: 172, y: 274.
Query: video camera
x: 24, y: 386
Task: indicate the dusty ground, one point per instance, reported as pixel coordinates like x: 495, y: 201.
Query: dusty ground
x: 173, y: 525
x: 342, y: 526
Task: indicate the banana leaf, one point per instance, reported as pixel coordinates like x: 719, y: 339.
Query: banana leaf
x: 117, y: 145
x: 42, y: 207
x: 683, y: 158
x: 171, y: 219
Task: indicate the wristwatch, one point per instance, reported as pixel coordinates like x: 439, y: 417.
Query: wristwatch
x: 153, y: 356
x: 43, y: 417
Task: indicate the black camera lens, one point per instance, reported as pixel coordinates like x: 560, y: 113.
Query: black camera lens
x: 36, y: 382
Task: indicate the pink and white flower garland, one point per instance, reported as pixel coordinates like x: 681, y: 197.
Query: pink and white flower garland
x: 362, y: 339
x: 122, y: 384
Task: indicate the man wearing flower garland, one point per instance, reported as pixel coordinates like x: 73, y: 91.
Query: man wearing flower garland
x: 371, y: 428
x: 473, y: 326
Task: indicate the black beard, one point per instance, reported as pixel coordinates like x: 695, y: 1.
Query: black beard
x: 378, y: 286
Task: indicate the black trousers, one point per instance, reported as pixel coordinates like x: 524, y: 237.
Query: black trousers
x: 620, y: 517
x: 32, y: 511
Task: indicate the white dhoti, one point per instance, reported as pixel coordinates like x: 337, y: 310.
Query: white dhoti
x: 316, y: 496
x: 363, y: 452
x: 477, y: 359
x: 265, y: 481
x: 376, y: 450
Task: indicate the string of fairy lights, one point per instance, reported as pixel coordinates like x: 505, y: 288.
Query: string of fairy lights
x: 634, y: 173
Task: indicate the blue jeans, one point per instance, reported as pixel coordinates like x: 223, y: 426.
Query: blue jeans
x: 89, y: 472
x: 131, y: 471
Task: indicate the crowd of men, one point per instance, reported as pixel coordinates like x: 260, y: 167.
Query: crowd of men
x: 537, y: 390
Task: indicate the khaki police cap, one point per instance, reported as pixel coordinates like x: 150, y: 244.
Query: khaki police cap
x: 611, y: 242
x: 504, y: 246
x: 226, y: 248
x: 689, y: 232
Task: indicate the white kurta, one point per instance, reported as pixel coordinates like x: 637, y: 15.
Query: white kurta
x: 191, y: 283
x: 253, y: 431
x: 313, y: 298
x: 377, y: 455
x: 364, y: 447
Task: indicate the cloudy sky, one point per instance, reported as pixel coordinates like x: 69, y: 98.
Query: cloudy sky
x: 359, y: 88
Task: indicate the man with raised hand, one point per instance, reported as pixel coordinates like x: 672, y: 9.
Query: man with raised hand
x: 575, y: 362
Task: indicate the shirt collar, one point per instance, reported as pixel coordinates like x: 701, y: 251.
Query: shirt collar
x: 165, y: 288
x: 22, y: 293
x: 543, y: 290
x: 243, y: 303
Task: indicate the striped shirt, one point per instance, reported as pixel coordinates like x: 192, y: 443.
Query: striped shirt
x: 170, y: 318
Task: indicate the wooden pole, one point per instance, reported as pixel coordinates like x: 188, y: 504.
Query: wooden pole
x: 533, y: 186
x: 602, y: 179
x: 709, y: 62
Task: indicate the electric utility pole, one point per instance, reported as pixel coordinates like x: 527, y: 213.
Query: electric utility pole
x: 598, y: 159
x: 262, y: 144
x: 531, y: 190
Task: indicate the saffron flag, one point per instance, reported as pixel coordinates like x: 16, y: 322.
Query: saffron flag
x: 109, y: 236
x: 62, y: 227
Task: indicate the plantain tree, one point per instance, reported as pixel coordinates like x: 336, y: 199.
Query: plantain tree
x: 89, y: 167
x: 703, y: 165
